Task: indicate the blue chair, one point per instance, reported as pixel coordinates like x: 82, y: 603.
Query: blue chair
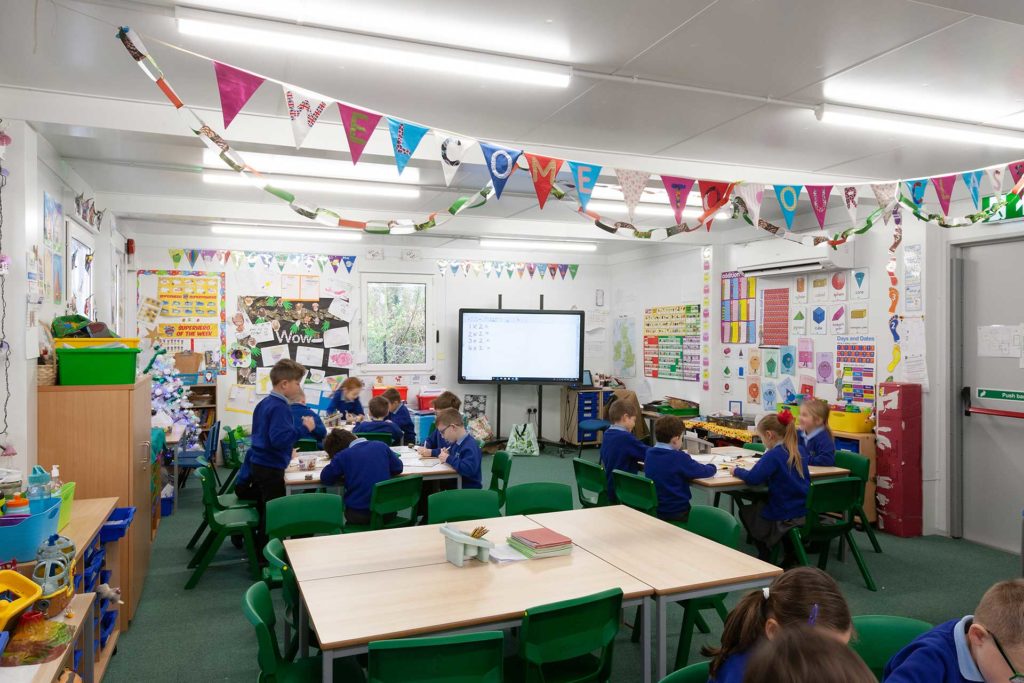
x: 591, y: 425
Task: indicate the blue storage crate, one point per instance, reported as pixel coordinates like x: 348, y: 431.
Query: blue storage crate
x: 167, y: 506
x: 21, y: 535
x: 105, y: 575
x: 116, y: 525
x: 107, y: 624
x: 847, y: 444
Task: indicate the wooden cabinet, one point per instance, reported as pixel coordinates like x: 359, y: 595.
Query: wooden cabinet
x: 863, y: 443
x: 99, y: 435
x: 579, y: 405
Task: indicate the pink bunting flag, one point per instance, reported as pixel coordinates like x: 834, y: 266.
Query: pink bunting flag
x: 678, y: 190
x: 359, y: 126
x: 236, y: 87
x: 850, y: 201
x: 531, y: 268
x: 1016, y: 170
x: 632, y: 184
x: 819, y: 195
x: 304, y: 111
x: 944, y: 191
x: 222, y: 256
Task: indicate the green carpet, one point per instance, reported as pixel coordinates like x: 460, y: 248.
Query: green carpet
x: 202, y: 635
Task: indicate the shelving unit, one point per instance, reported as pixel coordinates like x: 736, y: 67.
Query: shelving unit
x: 203, y: 397
x: 863, y: 443
x: 582, y: 404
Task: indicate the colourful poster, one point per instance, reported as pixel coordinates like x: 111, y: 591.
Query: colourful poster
x: 775, y: 317
x: 837, y: 285
x: 184, y: 310
x: 824, y: 367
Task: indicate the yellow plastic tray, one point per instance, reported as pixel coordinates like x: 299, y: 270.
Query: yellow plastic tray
x: 89, y: 342
x: 27, y: 590
x: 856, y: 423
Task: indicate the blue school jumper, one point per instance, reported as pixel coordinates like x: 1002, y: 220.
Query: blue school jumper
x: 381, y: 426
x: 273, y: 433
x: 620, y: 450
x: 363, y: 464
x: 938, y: 656
x: 787, y: 491
x: 301, y: 410
x: 817, y: 448
x: 338, y: 404
x: 671, y: 472
x: 403, y: 420
x: 436, y: 443
x: 464, y: 457
x: 732, y: 668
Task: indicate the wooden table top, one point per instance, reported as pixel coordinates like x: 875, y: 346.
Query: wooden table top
x: 435, y: 469
x: 724, y: 480
x: 662, y: 555
x: 376, y: 551
x: 361, y: 608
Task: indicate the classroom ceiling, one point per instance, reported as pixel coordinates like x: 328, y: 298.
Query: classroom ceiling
x: 62, y: 68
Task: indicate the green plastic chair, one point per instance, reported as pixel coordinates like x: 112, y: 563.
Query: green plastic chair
x: 277, y: 560
x: 259, y: 610
x: 636, y: 491
x: 468, y: 657
x: 756, y: 447
x: 310, y: 514
x: 591, y: 486
x: 695, y: 673
x: 459, y: 505
x: 501, y: 471
x: 225, y: 501
x: 231, y: 451
x: 306, y: 445
x: 826, y: 499
x: 391, y: 496
x: 383, y: 437
x: 877, y: 638
x: 223, y: 523
x: 538, y: 497
x: 557, y: 642
x: 859, y: 467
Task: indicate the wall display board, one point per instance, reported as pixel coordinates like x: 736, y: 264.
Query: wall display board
x: 739, y: 308
x: 183, y: 310
x: 672, y: 342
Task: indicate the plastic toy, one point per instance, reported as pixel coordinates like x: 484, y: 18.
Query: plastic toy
x: 17, y: 593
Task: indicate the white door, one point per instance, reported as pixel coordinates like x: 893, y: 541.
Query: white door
x: 993, y: 442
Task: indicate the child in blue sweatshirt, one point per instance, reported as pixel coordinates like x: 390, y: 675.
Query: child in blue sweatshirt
x: 671, y: 469
x: 798, y: 597
x: 399, y: 414
x: 435, y: 443
x: 464, y: 453
x: 788, y: 480
x: 379, y: 421
x: 986, y: 646
x: 817, y: 447
x: 301, y: 410
x: 346, y: 400
x: 362, y: 464
x: 620, y: 450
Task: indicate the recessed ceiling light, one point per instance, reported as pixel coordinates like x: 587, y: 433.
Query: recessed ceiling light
x: 318, y: 167
x: 919, y: 126
x: 527, y: 245
x: 318, y: 186
x: 336, y: 234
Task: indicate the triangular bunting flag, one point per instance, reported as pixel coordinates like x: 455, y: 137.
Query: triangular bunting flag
x: 267, y: 260
x: 359, y: 126
x: 944, y: 190
x: 542, y: 270
x: 252, y: 259
x: 678, y: 190
x: 455, y: 266
x: 995, y: 177
x: 497, y: 267
x: 585, y: 177
x: 209, y: 255
x: 350, y: 262
x: 176, y: 256
x: 632, y: 184
x: 501, y: 163
x: 850, y: 201
x: 236, y: 87
x: 442, y: 266
x: 335, y: 261
x: 236, y: 258
x: 509, y: 269
x: 713, y: 195
x: 542, y: 172
x: 752, y: 195
x: 916, y: 189
x: 788, y: 196
x: 885, y: 195
x: 532, y: 268
x: 487, y: 268
x: 520, y: 269
x: 453, y: 149
x: 972, y: 179
x: 573, y: 269
x: 1016, y: 170
x: 477, y: 267
x: 819, y: 195
x: 304, y: 111
x: 282, y: 261
x: 405, y: 138
x: 552, y: 269
x: 563, y: 268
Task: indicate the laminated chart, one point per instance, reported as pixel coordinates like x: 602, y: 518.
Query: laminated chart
x: 855, y: 360
x: 739, y: 308
x: 672, y: 342
x: 775, y: 317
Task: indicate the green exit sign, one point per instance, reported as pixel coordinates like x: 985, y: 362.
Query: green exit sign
x: 1001, y: 394
x: 1011, y: 211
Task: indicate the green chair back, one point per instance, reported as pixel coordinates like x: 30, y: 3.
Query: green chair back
x: 859, y: 467
x: 383, y: 437
x: 714, y: 524
x: 259, y: 610
x: 470, y: 657
x: 839, y: 495
x: 232, y: 452
x: 572, y: 629
x: 591, y: 486
x: 209, y: 484
x: 501, y: 470
x: 309, y: 514
x: 538, y: 497
x: 757, y: 447
x: 459, y: 505
x: 306, y: 445
x: 276, y: 556
x: 394, y: 496
x: 636, y: 492
x: 878, y: 637
x: 695, y: 673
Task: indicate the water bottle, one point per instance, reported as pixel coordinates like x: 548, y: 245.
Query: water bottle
x: 38, y: 492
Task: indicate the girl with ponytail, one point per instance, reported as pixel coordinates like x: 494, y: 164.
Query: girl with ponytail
x: 804, y: 596
x: 787, y: 478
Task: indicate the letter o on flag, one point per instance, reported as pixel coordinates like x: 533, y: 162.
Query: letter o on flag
x: 788, y: 198
x: 508, y: 167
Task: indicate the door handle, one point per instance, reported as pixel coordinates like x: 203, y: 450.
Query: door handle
x: 965, y: 395
x: 144, y: 460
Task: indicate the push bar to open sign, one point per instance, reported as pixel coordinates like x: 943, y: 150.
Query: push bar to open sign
x: 997, y: 394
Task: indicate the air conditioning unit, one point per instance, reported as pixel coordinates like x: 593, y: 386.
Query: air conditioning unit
x: 782, y: 257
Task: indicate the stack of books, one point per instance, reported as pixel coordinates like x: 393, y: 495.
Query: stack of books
x: 541, y: 542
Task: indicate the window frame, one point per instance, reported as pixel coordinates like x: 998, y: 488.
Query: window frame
x: 429, y: 317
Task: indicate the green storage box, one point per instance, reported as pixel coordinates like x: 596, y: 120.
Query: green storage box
x: 679, y: 412
x: 96, y: 366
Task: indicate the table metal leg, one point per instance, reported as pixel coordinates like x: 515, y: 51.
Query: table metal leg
x: 645, y: 637
x: 661, y: 612
x: 303, y: 626
x: 328, y: 666
x: 177, y: 491
x: 458, y: 481
x: 88, y: 653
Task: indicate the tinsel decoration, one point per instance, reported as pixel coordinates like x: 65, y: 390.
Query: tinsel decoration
x: 170, y: 398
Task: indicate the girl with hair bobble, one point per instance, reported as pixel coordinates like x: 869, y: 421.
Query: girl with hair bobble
x: 816, y: 443
x: 805, y: 596
x: 788, y: 481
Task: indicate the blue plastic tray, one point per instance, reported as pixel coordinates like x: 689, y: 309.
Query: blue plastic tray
x: 117, y: 524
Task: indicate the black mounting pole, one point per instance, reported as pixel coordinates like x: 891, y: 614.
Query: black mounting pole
x: 497, y: 427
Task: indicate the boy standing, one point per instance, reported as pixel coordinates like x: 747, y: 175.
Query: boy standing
x: 671, y: 469
x: 620, y: 450
x: 399, y: 414
x: 378, y: 421
x: 464, y: 453
x: 435, y: 443
x: 362, y: 464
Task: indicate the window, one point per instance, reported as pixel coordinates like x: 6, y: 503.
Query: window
x: 398, y: 322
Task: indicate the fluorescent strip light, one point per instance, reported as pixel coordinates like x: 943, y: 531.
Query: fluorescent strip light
x: 651, y: 195
x: 527, y: 245
x: 321, y: 186
x: 919, y: 126
x: 337, y: 234
x: 654, y: 210
x: 318, y: 167
x: 353, y: 46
